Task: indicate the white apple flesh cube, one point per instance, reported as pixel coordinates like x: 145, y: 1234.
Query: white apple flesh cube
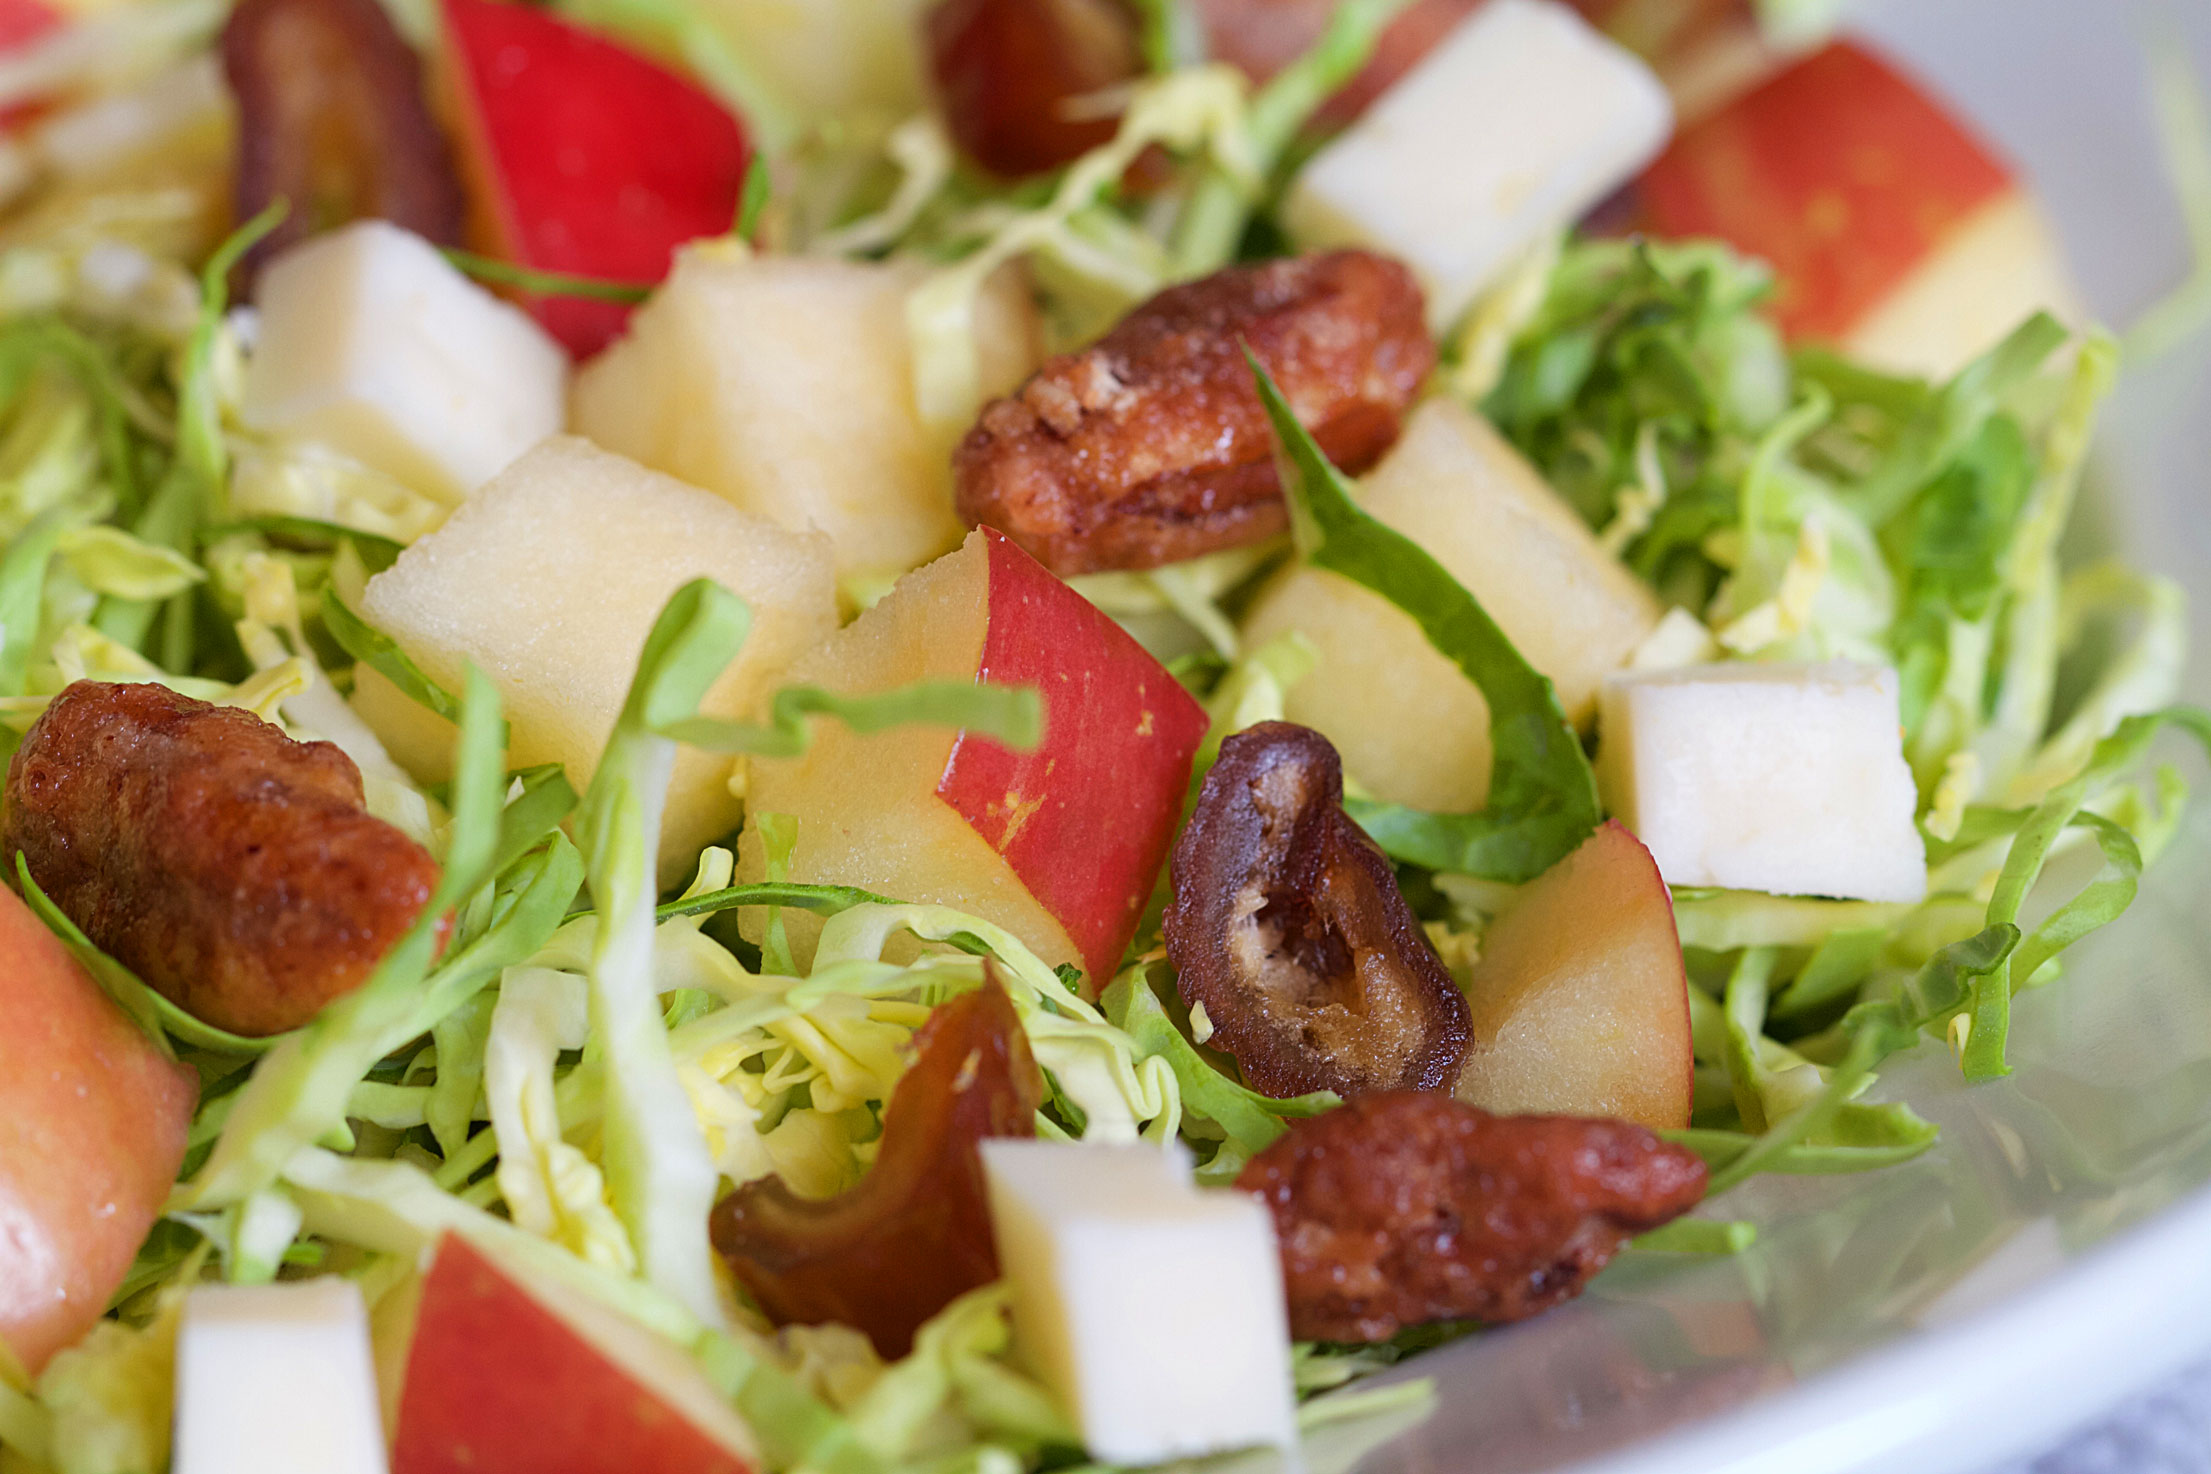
x: 1514, y: 125
x: 373, y: 343
x: 1152, y: 1307
x: 1787, y: 778
x: 786, y: 384
x: 1580, y: 1001
x: 1411, y: 727
x: 548, y: 581
x: 275, y: 1379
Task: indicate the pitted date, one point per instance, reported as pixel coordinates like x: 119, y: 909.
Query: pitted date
x: 1019, y: 79
x: 1287, y: 926
x: 1150, y: 446
x: 1400, y: 1209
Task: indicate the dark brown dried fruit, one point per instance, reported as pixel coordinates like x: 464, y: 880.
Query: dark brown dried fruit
x: 234, y: 870
x: 331, y: 118
x: 1261, y: 37
x: 1150, y: 446
x: 1288, y: 927
x: 914, y: 1235
x: 1405, y: 1208
x: 1018, y: 78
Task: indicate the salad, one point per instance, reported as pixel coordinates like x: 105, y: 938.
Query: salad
x: 979, y: 735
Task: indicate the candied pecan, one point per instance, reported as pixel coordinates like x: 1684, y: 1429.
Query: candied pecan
x: 1150, y: 445
x: 234, y: 870
x: 1403, y: 1208
x: 1017, y: 78
x: 1287, y: 926
x: 914, y: 1234
x: 331, y: 117
x: 1261, y: 37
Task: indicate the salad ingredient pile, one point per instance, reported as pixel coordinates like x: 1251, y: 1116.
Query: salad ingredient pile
x: 712, y: 765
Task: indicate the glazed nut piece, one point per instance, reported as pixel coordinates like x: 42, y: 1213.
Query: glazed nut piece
x: 331, y: 118
x: 1150, y: 446
x: 233, y: 869
x: 1017, y: 78
x: 1288, y: 929
x: 1400, y: 1209
x: 914, y: 1234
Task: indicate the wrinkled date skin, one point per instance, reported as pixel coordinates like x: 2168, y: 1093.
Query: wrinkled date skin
x: 1287, y: 925
x: 331, y: 118
x: 914, y: 1235
x: 1016, y: 77
x: 236, y: 871
x: 1261, y: 37
x: 1404, y: 1208
x: 1150, y: 446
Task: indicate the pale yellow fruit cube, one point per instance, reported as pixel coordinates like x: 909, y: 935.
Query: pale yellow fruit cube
x: 549, y: 579
x: 1411, y: 727
x: 786, y: 384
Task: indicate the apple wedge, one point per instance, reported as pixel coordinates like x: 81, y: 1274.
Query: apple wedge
x: 1581, y: 1000
x: 92, y: 1124
x: 507, y: 1374
x: 1059, y: 845
x: 1893, y: 230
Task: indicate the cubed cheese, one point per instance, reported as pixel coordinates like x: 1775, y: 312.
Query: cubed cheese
x: 276, y: 1379
x: 373, y: 343
x: 1766, y: 777
x: 1153, y: 1308
x: 548, y: 581
x: 1518, y: 122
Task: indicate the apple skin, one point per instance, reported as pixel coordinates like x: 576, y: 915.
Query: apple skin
x: 1581, y: 998
x: 1840, y: 171
x: 93, y: 1119
x: 506, y: 1377
x: 1085, y: 819
x: 583, y: 157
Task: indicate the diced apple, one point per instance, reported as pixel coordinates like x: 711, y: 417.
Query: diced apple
x: 1778, y: 777
x: 275, y: 1379
x: 511, y: 1374
x: 1580, y: 999
x: 786, y: 384
x: 854, y: 61
x: 584, y: 157
x: 1060, y: 845
x: 1411, y: 727
x: 1153, y: 1308
x: 375, y: 344
x: 92, y: 1125
x: 1563, y: 117
x: 1892, y: 229
x: 549, y: 579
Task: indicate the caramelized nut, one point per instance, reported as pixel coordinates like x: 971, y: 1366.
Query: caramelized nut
x: 1405, y: 1208
x: 1288, y: 927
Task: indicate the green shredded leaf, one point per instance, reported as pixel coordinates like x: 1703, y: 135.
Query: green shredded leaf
x: 375, y: 551
x: 546, y: 283
x: 378, y: 651
x: 1013, y: 715
x: 752, y: 199
x: 1697, y: 1236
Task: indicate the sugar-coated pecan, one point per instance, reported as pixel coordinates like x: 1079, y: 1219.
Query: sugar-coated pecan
x: 1150, y: 445
x: 1261, y: 37
x: 1287, y: 926
x: 331, y: 118
x: 1018, y: 79
x: 1403, y: 1208
x: 914, y: 1234
x: 234, y: 870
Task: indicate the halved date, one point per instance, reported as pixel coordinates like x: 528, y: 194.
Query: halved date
x: 1288, y: 928
x: 331, y: 118
x: 1150, y: 446
x: 1400, y: 1209
x: 1014, y: 76
x: 234, y: 870
x: 914, y: 1235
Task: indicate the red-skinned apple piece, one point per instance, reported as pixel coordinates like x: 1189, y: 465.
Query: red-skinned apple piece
x: 93, y: 1118
x: 507, y: 1374
x: 1581, y: 999
x: 583, y: 157
x: 1059, y: 845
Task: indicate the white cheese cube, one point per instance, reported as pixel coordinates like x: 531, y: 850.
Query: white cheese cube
x: 1516, y: 124
x: 373, y: 343
x: 1153, y: 1308
x: 276, y: 1379
x: 1766, y: 777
